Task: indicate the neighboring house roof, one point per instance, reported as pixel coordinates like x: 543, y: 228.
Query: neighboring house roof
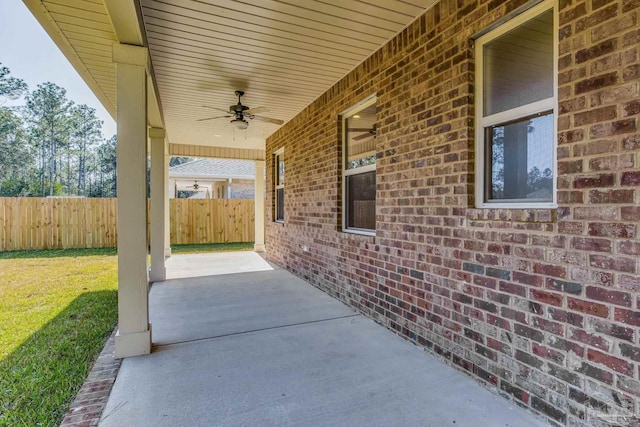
x: 198, y: 195
x: 214, y: 168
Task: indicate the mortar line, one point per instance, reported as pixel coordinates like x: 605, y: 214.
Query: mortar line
x: 255, y: 330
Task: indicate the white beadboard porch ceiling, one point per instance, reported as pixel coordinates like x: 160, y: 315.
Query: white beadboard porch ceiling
x: 283, y: 54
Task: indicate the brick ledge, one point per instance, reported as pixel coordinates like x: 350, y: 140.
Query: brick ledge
x: 87, y: 406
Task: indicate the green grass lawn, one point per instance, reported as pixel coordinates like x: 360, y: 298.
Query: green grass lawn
x: 55, y: 315
x: 57, y: 308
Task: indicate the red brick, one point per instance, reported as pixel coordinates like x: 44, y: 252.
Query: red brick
x: 588, y: 307
x: 609, y: 296
x: 630, y: 213
x: 630, y: 178
x: 596, y: 213
x: 546, y: 297
x: 618, y: 127
x: 512, y: 288
x: 615, y: 230
x: 602, y: 180
x: 601, y: 15
x: 573, y: 166
x: 632, y: 108
x: 596, y: 83
x: 547, y: 326
x: 550, y: 270
x: 547, y: 353
x: 629, y: 247
x: 528, y: 279
x: 589, y: 244
x: 509, y: 313
x: 625, y: 265
x: 570, y: 197
x: 611, y: 163
x: 568, y: 137
x: 595, y: 115
x: 566, y: 317
x: 590, y: 339
x: 498, y: 321
x: 629, y: 317
x: 618, y: 365
x: 613, y: 330
x: 611, y: 196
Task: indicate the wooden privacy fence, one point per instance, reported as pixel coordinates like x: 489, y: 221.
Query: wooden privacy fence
x: 212, y: 220
x: 56, y: 223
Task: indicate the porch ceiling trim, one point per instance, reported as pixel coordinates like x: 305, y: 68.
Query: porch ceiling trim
x: 190, y: 150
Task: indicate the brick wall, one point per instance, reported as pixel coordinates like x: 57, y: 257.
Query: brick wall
x: 541, y: 304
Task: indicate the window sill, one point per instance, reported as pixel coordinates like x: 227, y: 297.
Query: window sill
x: 359, y: 232
x: 279, y: 222
x: 513, y: 214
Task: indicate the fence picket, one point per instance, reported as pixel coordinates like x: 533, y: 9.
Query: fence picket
x: 56, y: 223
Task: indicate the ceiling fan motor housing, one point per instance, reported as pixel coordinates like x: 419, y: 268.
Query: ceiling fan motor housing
x: 238, y: 108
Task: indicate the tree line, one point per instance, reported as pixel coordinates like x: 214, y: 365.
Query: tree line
x: 50, y: 146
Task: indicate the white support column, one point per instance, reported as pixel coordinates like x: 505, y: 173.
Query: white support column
x: 134, y: 331
x: 167, y: 211
x: 158, y: 196
x: 259, y: 207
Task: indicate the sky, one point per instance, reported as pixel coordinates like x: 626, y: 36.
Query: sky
x: 30, y: 55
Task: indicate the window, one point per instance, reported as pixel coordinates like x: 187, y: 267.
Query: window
x: 515, y: 112
x: 278, y: 179
x: 359, y: 169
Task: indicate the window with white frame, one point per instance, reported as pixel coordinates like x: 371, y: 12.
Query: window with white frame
x: 278, y: 180
x: 515, y: 111
x: 359, y: 168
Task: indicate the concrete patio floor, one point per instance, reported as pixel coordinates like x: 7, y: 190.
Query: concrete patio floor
x: 249, y: 344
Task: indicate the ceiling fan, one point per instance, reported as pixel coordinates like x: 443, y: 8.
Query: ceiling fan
x: 367, y: 133
x: 241, y: 113
x: 195, y: 186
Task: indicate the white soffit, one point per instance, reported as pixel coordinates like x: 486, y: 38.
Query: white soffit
x: 84, y: 33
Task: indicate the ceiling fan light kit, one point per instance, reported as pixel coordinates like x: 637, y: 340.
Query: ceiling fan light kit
x: 240, y: 124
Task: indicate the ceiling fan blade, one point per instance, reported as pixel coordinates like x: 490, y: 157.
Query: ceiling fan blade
x: 213, y: 118
x: 256, y: 110
x: 363, y: 136
x: 359, y: 129
x: 269, y: 120
x: 217, y: 109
